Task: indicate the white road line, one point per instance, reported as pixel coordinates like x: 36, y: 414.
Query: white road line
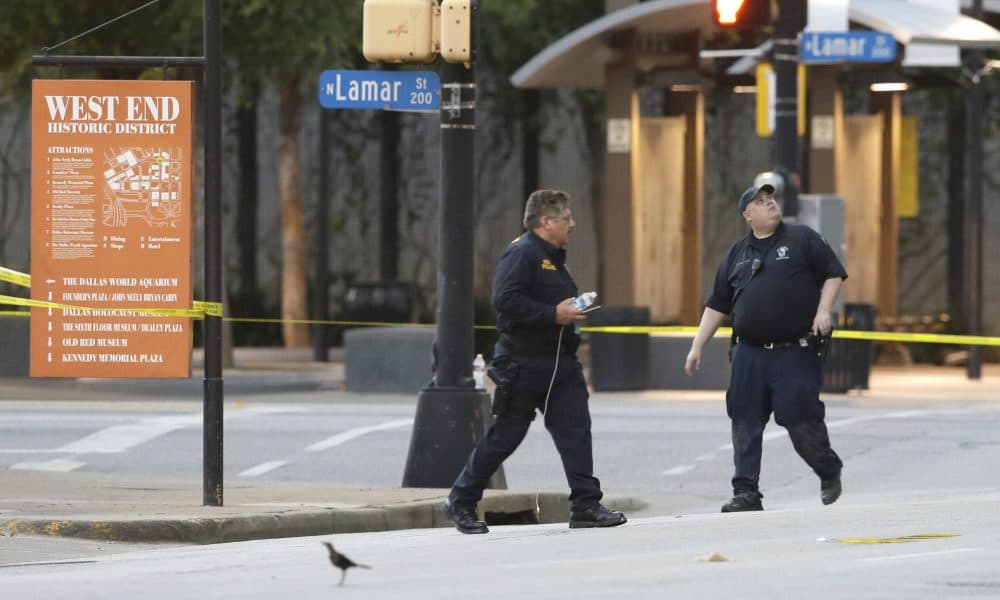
x: 263, y: 468
x: 61, y: 465
x: 350, y: 434
x: 705, y: 457
x: 679, y: 470
x: 120, y: 438
x: 919, y: 555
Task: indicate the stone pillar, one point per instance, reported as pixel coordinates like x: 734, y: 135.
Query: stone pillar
x: 622, y: 113
x: 887, y: 105
x: 691, y: 106
x: 825, y: 113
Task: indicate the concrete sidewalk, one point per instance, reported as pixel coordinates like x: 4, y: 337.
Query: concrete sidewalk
x: 136, y: 509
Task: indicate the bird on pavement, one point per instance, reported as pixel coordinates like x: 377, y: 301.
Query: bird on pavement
x: 341, y: 562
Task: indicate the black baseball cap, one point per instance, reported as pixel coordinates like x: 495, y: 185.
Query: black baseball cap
x: 751, y: 192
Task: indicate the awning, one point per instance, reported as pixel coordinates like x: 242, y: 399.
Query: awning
x: 917, y: 23
x: 577, y: 60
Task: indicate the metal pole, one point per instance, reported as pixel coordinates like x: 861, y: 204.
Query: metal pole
x: 785, y: 151
x: 321, y: 347
x: 974, y: 256
x: 212, y: 415
x: 455, y: 315
x: 451, y: 413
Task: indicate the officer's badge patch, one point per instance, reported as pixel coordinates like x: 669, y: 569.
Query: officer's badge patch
x: 548, y: 266
x: 783, y: 253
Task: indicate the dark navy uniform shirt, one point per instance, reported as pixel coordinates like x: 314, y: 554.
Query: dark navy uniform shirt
x: 778, y: 302
x: 530, y: 280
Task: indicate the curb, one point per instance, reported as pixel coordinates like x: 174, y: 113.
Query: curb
x: 500, y: 509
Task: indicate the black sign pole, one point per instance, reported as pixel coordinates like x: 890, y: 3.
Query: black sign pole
x: 785, y: 155
x: 213, y: 396
x: 451, y: 413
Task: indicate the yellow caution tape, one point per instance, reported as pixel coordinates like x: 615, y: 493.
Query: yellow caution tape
x: 15, y: 277
x: 895, y: 540
x: 214, y: 309
x: 199, y: 311
x: 847, y: 334
x: 14, y: 313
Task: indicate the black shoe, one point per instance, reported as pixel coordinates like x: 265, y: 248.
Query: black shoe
x: 829, y: 489
x: 595, y: 516
x: 743, y: 502
x: 464, y: 517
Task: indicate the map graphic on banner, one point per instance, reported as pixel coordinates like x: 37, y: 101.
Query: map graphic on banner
x: 111, y: 227
x: 143, y: 183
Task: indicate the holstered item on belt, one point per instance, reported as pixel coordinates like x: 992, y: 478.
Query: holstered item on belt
x: 503, y: 374
x: 529, y: 347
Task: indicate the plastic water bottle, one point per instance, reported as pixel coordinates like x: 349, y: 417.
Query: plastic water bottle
x: 479, y: 372
x: 584, y: 300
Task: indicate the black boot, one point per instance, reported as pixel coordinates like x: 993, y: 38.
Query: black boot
x: 595, y: 516
x: 829, y: 489
x: 464, y: 517
x: 744, y: 501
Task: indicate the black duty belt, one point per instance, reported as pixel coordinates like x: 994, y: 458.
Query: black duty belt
x: 799, y: 343
x: 529, y: 347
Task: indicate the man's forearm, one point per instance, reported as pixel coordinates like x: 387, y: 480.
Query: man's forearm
x: 710, y: 321
x: 828, y: 295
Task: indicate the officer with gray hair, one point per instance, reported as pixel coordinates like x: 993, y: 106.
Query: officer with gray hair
x: 536, y: 369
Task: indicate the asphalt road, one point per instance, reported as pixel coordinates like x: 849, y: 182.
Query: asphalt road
x: 672, y: 454
x: 803, y: 552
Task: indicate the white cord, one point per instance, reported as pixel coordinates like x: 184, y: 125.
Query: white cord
x: 545, y: 413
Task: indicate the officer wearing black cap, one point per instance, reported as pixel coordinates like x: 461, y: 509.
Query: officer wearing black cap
x: 535, y: 368
x: 780, y: 283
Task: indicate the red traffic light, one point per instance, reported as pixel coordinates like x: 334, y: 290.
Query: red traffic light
x: 741, y: 14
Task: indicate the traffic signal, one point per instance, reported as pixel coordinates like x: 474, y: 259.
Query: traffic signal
x: 743, y: 15
x: 401, y: 31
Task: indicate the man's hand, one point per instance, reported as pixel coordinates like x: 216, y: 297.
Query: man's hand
x: 566, y: 313
x: 822, y: 323
x: 693, y: 362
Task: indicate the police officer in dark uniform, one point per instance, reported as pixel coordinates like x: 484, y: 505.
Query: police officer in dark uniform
x: 780, y: 283
x: 535, y: 368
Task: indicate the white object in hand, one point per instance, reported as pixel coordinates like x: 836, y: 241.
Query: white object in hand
x: 479, y: 372
x: 584, y: 300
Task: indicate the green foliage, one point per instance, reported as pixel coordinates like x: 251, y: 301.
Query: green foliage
x: 514, y: 31
x: 169, y: 28
x: 293, y: 40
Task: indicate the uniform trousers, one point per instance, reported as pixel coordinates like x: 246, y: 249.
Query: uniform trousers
x: 785, y: 381
x: 567, y: 419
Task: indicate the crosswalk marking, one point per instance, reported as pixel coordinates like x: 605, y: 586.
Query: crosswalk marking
x: 61, y: 465
x: 350, y: 434
x: 263, y: 468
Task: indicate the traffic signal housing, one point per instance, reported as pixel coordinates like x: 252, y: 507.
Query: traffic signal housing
x: 742, y: 15
x: 401, y: 31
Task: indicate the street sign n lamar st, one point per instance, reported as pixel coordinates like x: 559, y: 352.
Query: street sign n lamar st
x: 380, y: 90
x: 846, y: 46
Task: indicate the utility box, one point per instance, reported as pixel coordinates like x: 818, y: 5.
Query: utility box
x: 824, y: 213
x: 401, y: 31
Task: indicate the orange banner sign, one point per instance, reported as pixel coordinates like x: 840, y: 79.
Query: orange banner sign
x: 111, y: 227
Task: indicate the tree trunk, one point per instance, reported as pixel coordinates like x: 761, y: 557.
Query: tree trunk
x: 246, y: 215
x: 530, y: 129
x: 293, y: 256
x: 389, y: 215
